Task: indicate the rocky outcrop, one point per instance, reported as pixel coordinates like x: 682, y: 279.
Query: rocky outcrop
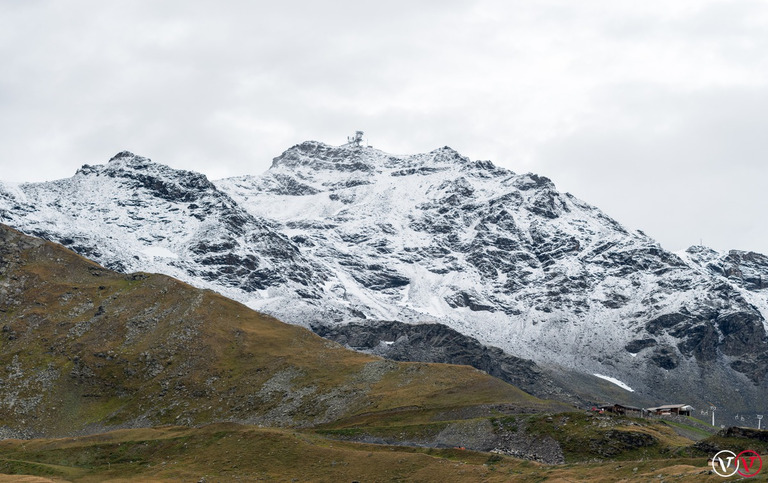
x: 438, y: 343
x: 747, y: 433
x: 746, y: 269
x: 134, y: 214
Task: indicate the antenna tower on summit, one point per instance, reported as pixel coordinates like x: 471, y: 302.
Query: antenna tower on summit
x: 356, y: 139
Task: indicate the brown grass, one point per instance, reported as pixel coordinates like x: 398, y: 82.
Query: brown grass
x: 227, y: 452
x: 150, y: 350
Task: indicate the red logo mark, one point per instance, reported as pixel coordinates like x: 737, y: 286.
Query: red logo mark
x: 749, y: 463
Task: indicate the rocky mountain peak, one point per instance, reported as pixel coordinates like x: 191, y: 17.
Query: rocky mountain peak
x: 121, y: 160
x: 447, y: 154
x: 748, y: 270
x: 364, y: 159
x: 339, y: 234
x: 128, y: 160
x: 123, y: 155
x: 326, y: 157
x: 160, y: 180
x: 531, y: 181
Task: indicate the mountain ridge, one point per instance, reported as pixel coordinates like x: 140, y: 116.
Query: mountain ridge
x: 435, y: 237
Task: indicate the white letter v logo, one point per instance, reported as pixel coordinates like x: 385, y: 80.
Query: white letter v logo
x: 725, y: 466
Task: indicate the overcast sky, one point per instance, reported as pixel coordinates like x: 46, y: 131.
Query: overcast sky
x: 656, y: 112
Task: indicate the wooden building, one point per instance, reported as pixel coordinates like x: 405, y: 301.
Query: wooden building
x: 668, y: 409
x: 621, y: 409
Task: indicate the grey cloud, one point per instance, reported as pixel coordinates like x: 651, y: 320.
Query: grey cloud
x: 683, y: 167
x: 656, y: 102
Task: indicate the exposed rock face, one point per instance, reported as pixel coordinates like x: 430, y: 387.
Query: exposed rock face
x: 746, y: 269
x: 438, y: 343
x: 665, y: 357
x: 133, y: 214
x: 637, y: 345
x: 748, y: 433
x: 334, y: 235
x: 485, y: 435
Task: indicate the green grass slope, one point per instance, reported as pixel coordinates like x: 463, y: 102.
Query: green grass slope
x: 84, y: 349
x: 228, y: 452
x: 154, y: 361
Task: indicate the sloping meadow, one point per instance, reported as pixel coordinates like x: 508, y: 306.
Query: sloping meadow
x: 85, y: 349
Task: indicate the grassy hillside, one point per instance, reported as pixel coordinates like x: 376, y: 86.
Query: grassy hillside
x: 228, y: 452
x: 192, y: 385
x: 84, y: 349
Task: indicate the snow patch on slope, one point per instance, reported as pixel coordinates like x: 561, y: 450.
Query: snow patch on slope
x: 615, y: 381
x: 159, y: 252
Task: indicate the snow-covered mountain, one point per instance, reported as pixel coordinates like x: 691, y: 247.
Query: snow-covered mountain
x: 132, y: 214
x: 331, y: 235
